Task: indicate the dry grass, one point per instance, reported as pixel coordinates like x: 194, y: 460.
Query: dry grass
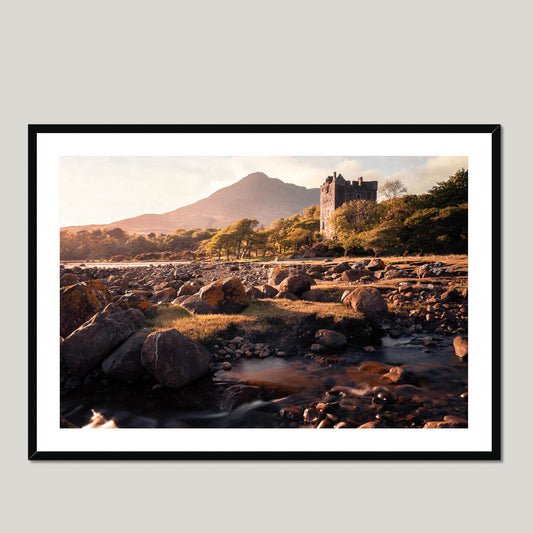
x: 260, y: 316
x: 448, y: 260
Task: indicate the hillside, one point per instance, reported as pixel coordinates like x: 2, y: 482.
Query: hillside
x: 254, y: 196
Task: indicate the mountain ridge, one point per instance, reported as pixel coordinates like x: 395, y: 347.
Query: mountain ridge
x: 254, y: 196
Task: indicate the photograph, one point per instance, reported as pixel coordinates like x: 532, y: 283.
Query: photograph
x: 216, y: 291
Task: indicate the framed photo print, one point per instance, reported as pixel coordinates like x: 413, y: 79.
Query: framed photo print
x: 264, y: 292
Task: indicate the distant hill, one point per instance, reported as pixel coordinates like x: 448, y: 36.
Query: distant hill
x: 255, y: 196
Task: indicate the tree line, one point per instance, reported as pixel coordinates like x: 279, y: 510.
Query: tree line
x: 435, y: 222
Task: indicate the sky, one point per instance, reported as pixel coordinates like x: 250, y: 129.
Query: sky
x: 99, y: 190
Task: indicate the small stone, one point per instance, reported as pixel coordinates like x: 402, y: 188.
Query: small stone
x: 321, y: 407
x: 460, y: 346
x: 311, y: 416
x: 317, y: 348
x: 226, y: 365
x: 456, y: 421
x: 330, y: 338
x: 325, y: 423
x: 372, y: 424
x: 437, y: 424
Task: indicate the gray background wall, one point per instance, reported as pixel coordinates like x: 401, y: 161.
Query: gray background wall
x: 261, y: 62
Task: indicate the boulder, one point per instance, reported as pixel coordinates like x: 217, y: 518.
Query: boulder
x: 316, y: 271
x: 91, y: 343
x: 173, y: 359
x: 164, y: 295
x: 366, y: 300
x: 253, y: 293
x: 376, y: 264
x: 460, y: 346
x: 195, y: 305
x: 423, y: 271
x: 344, y: 294
x: 133, y: 301
x: 341, y: 267
x: 394, y: 274
x: 68, y: 279
x: 354, y: 275
x: 277, y: 275
x: 124, y: 363
x: 221, y: 296
x: 188, y: 288
x: 286, y: 295
x: 297, y: 284
x: 225, y: 295
x: 451, y: 295
x: 314, y: 295
x: 330, y: 338
x: 268, y: 291
x: 79, y: 302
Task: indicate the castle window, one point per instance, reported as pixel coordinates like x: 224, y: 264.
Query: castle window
x: 358, y: 196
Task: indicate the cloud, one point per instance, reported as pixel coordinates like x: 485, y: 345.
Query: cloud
x: 424, y: 176
x: 107, y: 189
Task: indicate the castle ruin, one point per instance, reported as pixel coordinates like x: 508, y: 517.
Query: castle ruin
x: 335, y: 192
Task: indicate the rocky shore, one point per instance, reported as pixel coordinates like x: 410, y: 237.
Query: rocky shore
x: 310, y: 343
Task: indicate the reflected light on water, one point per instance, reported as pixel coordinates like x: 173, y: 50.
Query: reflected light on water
x: 98, y: 421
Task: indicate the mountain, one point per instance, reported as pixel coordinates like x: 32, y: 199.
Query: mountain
x: 255, y: 196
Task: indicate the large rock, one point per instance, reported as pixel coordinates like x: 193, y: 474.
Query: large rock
x: 366, y: 300
x: 91, y: 343
x: 297, y: 284
x: 124, y: 363
x: 221, y: 296
x: 330, y: 338
x: 376, y: 264
x: 277, y: 275
x: 195, y: 305
x: 394, y: 274
x: 132, y: 300
x: 68, y: 279
x: 173, y: 359
x: 225, y: 295
x: 341, y: 267
x: 286, y: 295
x: 314, y: 295
x: 268, y: 291
x: 164, y: 295
x: 354, y: 275
x: 79, y: 302
x: 253, y: 293
x: 191, y: 287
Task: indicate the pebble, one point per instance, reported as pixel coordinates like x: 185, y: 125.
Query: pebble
x: 311, y: 415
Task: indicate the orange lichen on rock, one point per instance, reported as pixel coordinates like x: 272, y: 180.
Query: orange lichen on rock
x: 80, y: 302
x: 221, y: 296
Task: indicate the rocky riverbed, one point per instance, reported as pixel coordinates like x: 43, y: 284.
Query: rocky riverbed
x: 318, y: 344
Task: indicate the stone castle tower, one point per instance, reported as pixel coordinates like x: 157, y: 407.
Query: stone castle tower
x: 335, y: 192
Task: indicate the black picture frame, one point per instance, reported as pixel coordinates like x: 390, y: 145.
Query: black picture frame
x: 494, y: 130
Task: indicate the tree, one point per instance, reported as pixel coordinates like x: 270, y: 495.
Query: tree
x: 279, y: 231
x: 453, y: 191
x: 355, y: 216
x: 392, y: 189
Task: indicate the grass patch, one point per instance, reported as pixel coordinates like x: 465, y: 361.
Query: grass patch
x: 259, y: 317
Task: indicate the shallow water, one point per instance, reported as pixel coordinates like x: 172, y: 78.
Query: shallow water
x: 274, y: 392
